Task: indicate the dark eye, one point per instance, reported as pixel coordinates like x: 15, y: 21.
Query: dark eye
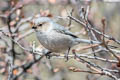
x: 40, y: 25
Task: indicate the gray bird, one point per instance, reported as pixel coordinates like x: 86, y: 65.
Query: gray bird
x: 55, y: 37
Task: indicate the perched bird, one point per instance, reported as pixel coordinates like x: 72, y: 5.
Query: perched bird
x: 55, y: 37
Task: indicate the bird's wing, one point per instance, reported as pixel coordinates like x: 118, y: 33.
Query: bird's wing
x: 62, y: 30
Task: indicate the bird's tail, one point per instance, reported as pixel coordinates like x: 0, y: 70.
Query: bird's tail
x: 87, y: 41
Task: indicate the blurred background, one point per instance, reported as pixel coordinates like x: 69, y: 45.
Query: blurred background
x: 56, y: 68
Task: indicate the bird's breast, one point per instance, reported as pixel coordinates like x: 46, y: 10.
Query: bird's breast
x: 55, y: 42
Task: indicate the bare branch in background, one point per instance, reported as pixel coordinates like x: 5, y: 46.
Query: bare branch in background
x: 13, y: 34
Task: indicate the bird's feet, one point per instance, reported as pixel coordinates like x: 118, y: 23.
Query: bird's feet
x: 48, y: 55
x: 66, y: 57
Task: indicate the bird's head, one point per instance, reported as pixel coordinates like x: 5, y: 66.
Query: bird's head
x: 41, y: 23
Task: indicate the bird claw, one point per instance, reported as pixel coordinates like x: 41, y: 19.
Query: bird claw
x: 66, y: 57
x: 48, y: 56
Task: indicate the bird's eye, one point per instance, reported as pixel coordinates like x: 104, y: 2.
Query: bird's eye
x: 40, y: 25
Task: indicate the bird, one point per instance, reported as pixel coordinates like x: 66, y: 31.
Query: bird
x: 55, y: 37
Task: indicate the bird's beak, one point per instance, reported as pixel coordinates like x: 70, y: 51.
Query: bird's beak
x: 34, y: 27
